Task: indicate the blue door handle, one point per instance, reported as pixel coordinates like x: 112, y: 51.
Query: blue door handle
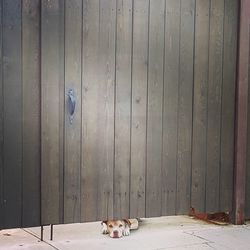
x: 71, y: 104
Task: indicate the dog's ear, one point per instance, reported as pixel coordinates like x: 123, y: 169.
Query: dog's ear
x: 127, y: 222
x: 104, y: 222
x: 105, y: 227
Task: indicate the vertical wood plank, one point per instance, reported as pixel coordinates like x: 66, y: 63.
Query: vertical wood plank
x: 90, y: 81
x: 241, y: 113
x: 155, y: 104
x: 170, y: 108
x: 105, y: 133
x: 98, y: 108
x: 12, y: 92
x: 1, y: 117
x: 52, y: 109
x: 247, y: 194
x: 185, y: 106
x: 139, y: 108
x: 123, y: 109
x: 214, y: 105
x: 199, y: 140
x: 72, y: 154
x: 31, y: 112
x: 228, y: 105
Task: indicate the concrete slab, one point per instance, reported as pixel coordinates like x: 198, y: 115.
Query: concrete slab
x: 16, y: 239
x: 229, y: 237
x: 176, y: 232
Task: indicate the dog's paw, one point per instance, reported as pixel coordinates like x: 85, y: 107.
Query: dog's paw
x: 126, y: 231
x: 104, y: 228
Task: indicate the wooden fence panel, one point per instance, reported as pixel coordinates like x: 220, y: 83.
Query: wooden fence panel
x: 199, y: 152
x: 1, y: 120
x: 139, y: 108
x: 31, y: 112
x: 12, y: 110
x: 154, y: 108
x: 153, y: 129
x: 123, y: 108
x: 228, y: 104
x: 98, y: 107
x: 106, y: 96
x: 72, y: 148
x: 52, y: 87
x: 186, y: 69
x: 170, y: 107
x: 214, y: 105
x: 89, y: 165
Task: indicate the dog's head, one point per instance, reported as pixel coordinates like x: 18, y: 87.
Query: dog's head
x: 116, y: 228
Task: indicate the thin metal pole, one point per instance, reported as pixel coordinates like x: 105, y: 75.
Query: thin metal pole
x: 51, y: 232
x: 41, y: 233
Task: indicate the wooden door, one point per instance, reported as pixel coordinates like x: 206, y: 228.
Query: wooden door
x: 152, y: 130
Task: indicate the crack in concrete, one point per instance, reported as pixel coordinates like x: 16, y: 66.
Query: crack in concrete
x: 199, y: 237
x: 36, y: 236
x: 186, y: 245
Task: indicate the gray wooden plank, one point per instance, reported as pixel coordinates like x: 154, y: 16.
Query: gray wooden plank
x: 199, y: 140
x: 105, y: 132
x: 154, y: 110
x: 12, y: 85
x: 185, y: 107
x: 228, y: 105
x: 31, y: 112
x: 241, y: 114
x: 90, y: 81
x: 139, y: 108
x: 170, y: 107
x: 247, y: 195
x: 1, y: 117
x: 98, y: 108
x: 62, y: 96
x: 123, y: 108
x: 52, y: 104
x: 72, y: 149
x: 214, y: 105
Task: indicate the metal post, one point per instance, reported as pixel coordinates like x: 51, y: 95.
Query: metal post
x: 51, y: 232
x: 41, y: 233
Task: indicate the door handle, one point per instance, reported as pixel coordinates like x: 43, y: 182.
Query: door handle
x: 71, y: 104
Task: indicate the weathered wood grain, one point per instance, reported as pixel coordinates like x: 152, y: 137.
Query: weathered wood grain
x: 90, y: 81
x: 52, y: 110
x: 170, y: 107
x: 199, y: 140
x: 139, y: 108
x: 214, y: 105
x: 1, y: 119
x: 106, y: 96
x: 72, y: 148
x: 98, y: 107
x: 123, y: 108
x: 228, y: 104
x: 31, y: 112
x: 155, y: 106
x: 12, y: 92
x: 185, y: 107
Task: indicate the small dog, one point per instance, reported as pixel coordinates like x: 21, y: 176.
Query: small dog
x: 119, y: 228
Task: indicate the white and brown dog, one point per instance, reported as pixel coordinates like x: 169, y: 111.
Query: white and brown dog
x: 119, y: 228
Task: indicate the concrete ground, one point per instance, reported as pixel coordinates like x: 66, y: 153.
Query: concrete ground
x: 174, y: 232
